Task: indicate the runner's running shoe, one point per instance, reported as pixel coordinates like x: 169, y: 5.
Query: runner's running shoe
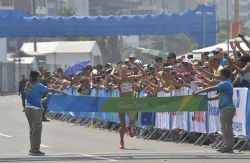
x: 130, y: 131
x: 121, y: 144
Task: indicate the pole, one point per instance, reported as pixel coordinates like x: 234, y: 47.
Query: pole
x: 34, y: 13
x: 19, y: 61
x: 164, y: 36
x: 227, y: 28
x: 237, y: 10
x: 204, y: 30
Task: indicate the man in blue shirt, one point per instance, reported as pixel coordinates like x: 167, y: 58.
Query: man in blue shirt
x: 226, y: 106
x: 34, y: 91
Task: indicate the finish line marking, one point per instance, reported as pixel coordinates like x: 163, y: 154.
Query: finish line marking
x: 44, y: 146
x: 97, y: 157
x: 7, y: 136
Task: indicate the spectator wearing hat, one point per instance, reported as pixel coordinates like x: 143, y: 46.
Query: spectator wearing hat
x: 218, y: 52
x: 171, y: 58
x: 152, y: 69
x: 127, y: 62
x: 132, y: 58
x: 137, y: 71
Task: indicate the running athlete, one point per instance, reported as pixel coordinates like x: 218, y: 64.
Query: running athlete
x: 125, y: 84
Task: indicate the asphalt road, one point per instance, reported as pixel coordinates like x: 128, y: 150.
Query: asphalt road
x: 65, y: 142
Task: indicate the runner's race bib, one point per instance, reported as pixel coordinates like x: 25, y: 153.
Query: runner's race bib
x: 126, y: 87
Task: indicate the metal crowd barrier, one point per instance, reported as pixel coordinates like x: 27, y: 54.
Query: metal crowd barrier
x: 197, y: 127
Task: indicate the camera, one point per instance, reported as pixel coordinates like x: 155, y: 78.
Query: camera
x: 240, y: 35
x: 108, y: 71
x: 191, y: 56
x: 98, y: 79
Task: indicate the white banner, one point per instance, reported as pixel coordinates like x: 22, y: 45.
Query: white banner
x: 213, y: 115
x: 180, y: 119
x: 162, y: 120
x: 197, y: 120
x: 240, y: 102
x: 204, y: 121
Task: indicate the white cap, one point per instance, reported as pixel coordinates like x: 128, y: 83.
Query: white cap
x: 94, y: 71
x: 138, y: 61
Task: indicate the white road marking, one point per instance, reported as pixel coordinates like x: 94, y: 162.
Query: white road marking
x: 7, y: 136
x: 44, y: 146
x: 97, y: 157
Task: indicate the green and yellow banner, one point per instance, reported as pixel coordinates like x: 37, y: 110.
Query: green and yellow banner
x: 69, y: 103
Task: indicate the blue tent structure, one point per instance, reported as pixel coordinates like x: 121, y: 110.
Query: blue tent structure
x: 25, y: 25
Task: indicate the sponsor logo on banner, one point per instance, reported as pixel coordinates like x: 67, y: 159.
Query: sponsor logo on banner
x: 236, y: 99
x: 134, y: 105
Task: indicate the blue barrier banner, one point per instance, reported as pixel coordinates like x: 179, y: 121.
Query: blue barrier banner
x: 59, y: 103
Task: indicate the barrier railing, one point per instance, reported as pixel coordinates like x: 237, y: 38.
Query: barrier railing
x: 204, y: 124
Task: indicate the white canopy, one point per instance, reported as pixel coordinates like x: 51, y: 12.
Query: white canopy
x: 223, y: 46
x: 62, y: 47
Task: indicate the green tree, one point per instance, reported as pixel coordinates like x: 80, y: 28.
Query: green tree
x: 222, y: 35
x: 67, y: 12
x: 180, y: 44
x: 246, y: 30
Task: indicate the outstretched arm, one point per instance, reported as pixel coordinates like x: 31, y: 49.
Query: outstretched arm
x: 56, y: 91
x: 209, y: 89
x: 237, y: 44
x: 244, y: 40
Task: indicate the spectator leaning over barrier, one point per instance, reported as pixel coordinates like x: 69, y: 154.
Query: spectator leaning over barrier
x: 218, y: 52
x: 208, y: 77
x: 84, y: 87
x: 125, y: 84
x: 159, y: 65
x: 167, y: 80
x: 204, y: 58
x: 151, y: 82
x: 226, y: 106
x: 34, y: 91
x: 171, y: 58
x: 243, y: 71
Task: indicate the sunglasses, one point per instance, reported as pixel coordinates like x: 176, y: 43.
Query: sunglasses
x: 166, y: 74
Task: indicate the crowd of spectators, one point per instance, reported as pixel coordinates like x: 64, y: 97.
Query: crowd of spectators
x: 162, y: 75
x: 213, y: 71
